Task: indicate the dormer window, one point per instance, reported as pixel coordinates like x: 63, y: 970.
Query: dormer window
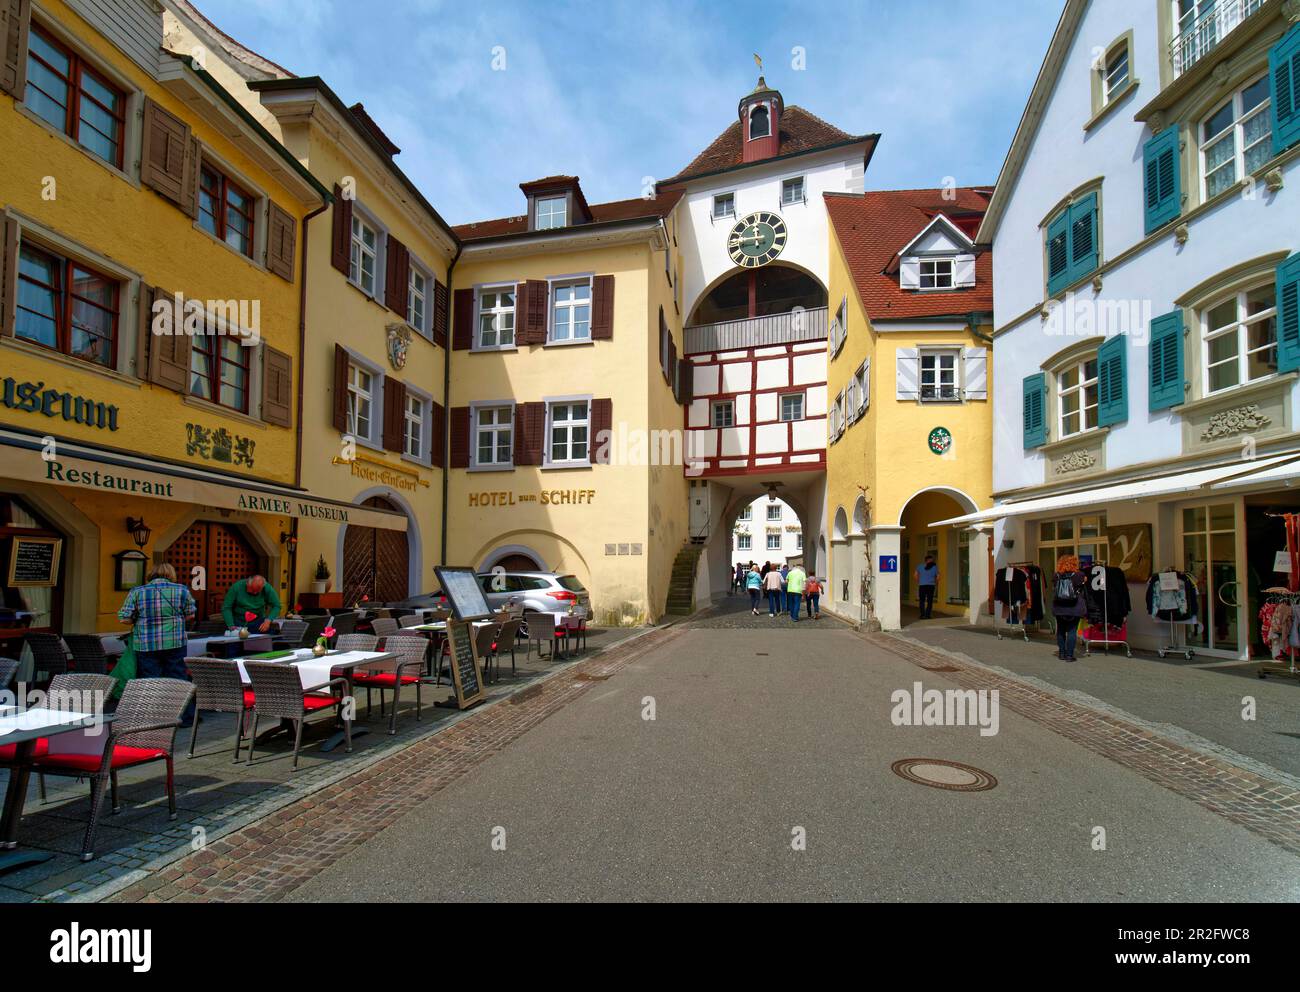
x: 937, y: 273
x: 759, y: 124
x: 552, y: 212
x: 940, y: 259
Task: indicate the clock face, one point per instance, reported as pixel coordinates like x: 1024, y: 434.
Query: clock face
x: 757, y: 240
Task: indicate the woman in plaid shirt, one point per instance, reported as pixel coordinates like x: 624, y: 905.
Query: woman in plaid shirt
x: 157, y: 612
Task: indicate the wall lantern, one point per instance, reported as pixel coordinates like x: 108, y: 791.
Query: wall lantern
x: 289, y: 540
x: 139, y: 531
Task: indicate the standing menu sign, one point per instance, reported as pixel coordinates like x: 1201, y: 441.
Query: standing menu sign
x: 34, y: 561
x: 466, y: 677
x: 460, y: 585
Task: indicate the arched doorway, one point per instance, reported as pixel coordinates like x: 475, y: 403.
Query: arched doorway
x: 773, y: 289
x: 518, y: 563
x: 376, y: 563
x: 949, y: 546
x: 223, y: 553
x: 41, y: 601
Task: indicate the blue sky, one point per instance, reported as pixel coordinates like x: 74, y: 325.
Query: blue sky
x: 626, y: 91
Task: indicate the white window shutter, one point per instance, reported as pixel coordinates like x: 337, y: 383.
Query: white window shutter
x: 977, y: 373
x: 866, y: 384
x: 963, y: 271
x: 910, y: 273
x: 909, y: 374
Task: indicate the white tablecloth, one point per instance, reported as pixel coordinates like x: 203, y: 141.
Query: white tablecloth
x: 314, y: 671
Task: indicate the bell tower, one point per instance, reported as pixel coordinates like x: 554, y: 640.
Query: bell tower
x: 760, y: 123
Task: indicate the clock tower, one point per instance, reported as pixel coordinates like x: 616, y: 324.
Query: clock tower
x: 760, y: 123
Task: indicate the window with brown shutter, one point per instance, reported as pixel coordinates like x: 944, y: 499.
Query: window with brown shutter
x: 459, y: 441
x: 282, y: 242
x: 341, y: 242
x: 534, y: 301
x: 462, y: 337
x: 169, y: 353
x: 340, y: 389
x: 685, y: 381
x: 143, y: 334
x: 166, y: 158
x: 397, y: 277
x: 441, y: 300
x: 602, y: 308
x: 664, y: 338
x: 438, y: 426
x: 15, y: 22
x: 394, y: 415
x: 602, y: 428
x: 277, y: 387
x: 530, y: 433
x: 9, y: 276
x: 673, y: 369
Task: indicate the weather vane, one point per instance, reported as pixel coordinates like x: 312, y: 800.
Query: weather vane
x: 758, y: 60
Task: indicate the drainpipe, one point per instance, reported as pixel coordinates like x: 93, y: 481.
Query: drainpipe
x: 973, y: 325
x: 446, y: 406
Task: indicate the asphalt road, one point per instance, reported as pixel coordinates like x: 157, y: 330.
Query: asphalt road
x: 758, y: 732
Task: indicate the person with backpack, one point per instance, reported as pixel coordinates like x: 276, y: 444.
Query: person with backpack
x: 775, y: 589
x: 1068, y: 605
x: 812, y: 597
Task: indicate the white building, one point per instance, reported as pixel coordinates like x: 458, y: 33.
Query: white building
x: 767, y: 531
x: 1147, y: 295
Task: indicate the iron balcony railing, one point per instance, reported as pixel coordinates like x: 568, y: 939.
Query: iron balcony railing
x: 1197, y: 38
x: 757, y: 332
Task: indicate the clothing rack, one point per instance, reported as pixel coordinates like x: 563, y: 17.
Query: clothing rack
x: 1173, y: 647
x: 1021, y: 628
x: 1290, y: 670
x: 1108, y: 641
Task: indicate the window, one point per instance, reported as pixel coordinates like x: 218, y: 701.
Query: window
x: 67, y: 307
x: 1237, y: 139
x: 744, y: 542
x: 365, y: 255
x: 569, y: 426
x: 1240, y: 336
x: 724, y: 414
x: 1116, y: 74
x: 71, y: 97
x: 552, y: 212
x: 417, y: 299
x: 571, y: 311
x: 798, y: 540
x: 724, y: 205
x: 496, y: 318
x: 792, y: 191
x: 219, y: 370
x: 413, y: 440
x: 1081, y: 536
x: 774, y: 513
x: 1073, y: 249
x: 937, y: 273
x: 862, y: 380
x: 494, y: 435
x: 839, y: 331
x: 361, y: 385
x: 225, y: 210
x: 1077, y: 397
x: 939, y: 376
x: 774, y: 542
x: 792, y: 407
x: 760, y: 126
x: 747, y: 513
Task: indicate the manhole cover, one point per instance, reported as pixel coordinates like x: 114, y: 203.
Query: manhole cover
x: 939, y: 774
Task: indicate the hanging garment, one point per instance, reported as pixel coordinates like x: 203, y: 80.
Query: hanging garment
x: 1108, y: 596
x: 1180, y: 604
x: 1292, y: 522
x: 1012, y: 592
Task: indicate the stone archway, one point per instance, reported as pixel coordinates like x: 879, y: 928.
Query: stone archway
x: 959, y: 577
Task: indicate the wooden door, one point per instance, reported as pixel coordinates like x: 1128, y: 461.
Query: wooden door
x: 224, y: 555
x: 375, y: 562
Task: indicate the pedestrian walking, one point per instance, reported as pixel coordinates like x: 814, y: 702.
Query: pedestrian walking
x: 927, y: 583
x: 1068, y: 604
x: 812, y: 596
x: 795, y: 582
x: 157, y: 613
x: 753, y: 583
x: 738, y: 579
x: 775, y: 588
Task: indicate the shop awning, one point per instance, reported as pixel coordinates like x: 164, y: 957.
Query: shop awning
x: 1128, y: 492
x: 1285, y: 475
x: 26, y: 457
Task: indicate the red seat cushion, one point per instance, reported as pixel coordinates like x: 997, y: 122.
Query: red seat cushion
x: 313, y: 703
x: 384, y: 680
x: 9, y: 752
x: 249, y: 699
x: 123, y: 757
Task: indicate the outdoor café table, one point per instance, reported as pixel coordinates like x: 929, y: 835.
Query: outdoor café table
x: 234, y: 647
x: 439, y: 629
x: 23, y: 729
x: 569, y: 623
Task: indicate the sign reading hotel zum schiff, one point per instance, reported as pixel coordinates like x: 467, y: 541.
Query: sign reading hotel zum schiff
x: 547, y: 497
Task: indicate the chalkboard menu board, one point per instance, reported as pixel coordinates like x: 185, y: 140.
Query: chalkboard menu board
x: 465, y: 674
x: 461, y: 587
x: 34, y: 561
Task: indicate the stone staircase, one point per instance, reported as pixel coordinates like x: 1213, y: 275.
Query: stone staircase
x: 681, y: 588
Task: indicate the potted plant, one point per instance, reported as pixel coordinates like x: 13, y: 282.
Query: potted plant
x: 321, y: 583
x: 322, y: 643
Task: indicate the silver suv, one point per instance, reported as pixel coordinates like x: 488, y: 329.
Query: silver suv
x: 535, y: 592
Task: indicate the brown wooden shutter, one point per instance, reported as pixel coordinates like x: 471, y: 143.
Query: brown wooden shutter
x: 167, y: 155
x: 664, y: 338
x: 394, y: 415
x: 340, y: 389
x: 459, y: 445
x: 281, y: 242
x: 685, y: 381
x: 15, y: 22
x: 193, y: 180
x: 170, y: 352
x: 143, y: 332
x: 462, y: 335
x: 602, y: 308
x: 536, y: 298
x: 673, y: 370
x: 441, y: 299
x: 397, y: 277
x: 530, y: 433
x: 9, y: 275
x: 602, y: 420
x: 341, y: 244
x: 277, y: 387
x: 438, y: 427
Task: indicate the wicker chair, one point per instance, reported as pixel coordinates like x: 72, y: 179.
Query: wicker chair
x: 88, y: 654
x: 143, y: 731
x: 277, y: 692
x: 344, y: 623
x: 508, y: 637
x: 384, y: 626
x: 409, y: 670
x: 409, y: 620
x: 485, y: 646
x: 356, y: 642
x: 543, y: 630
x: 220, y: 690
x: 292, y: 633
x: 48, y: 653
x: 8, y: 669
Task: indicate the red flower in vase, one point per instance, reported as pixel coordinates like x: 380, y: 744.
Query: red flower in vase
x: 249, y: 617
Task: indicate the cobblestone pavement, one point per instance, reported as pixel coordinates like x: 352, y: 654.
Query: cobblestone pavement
x: 733, y: 613
x: 270, y: 858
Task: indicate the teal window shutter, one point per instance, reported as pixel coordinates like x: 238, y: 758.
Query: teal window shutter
x: 1284, y: 73
x: 1112, y: 381
x: 1164, y: 195
x: 1084, y: 251
x: 1288, y: 315
x: 1058, y: 253
x: 1035, y: 410
x: 1167, y: 377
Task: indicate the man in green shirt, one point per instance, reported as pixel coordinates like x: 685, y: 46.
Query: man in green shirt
x: 795, y: 580
x: 251, y: 595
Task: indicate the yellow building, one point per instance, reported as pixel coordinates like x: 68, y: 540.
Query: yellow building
x: 564, y: 410
x: 911, y: 424
x: 134, y: 182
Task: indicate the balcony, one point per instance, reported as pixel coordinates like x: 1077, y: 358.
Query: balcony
x: 758, y: 332
x: 1198, y: 38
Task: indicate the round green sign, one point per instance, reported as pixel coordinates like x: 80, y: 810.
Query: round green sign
x: 941, y: 440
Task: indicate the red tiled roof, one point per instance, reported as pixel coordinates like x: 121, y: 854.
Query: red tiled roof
x: 873, y: 228
x: 800, y: 131
x: 617, y: 210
